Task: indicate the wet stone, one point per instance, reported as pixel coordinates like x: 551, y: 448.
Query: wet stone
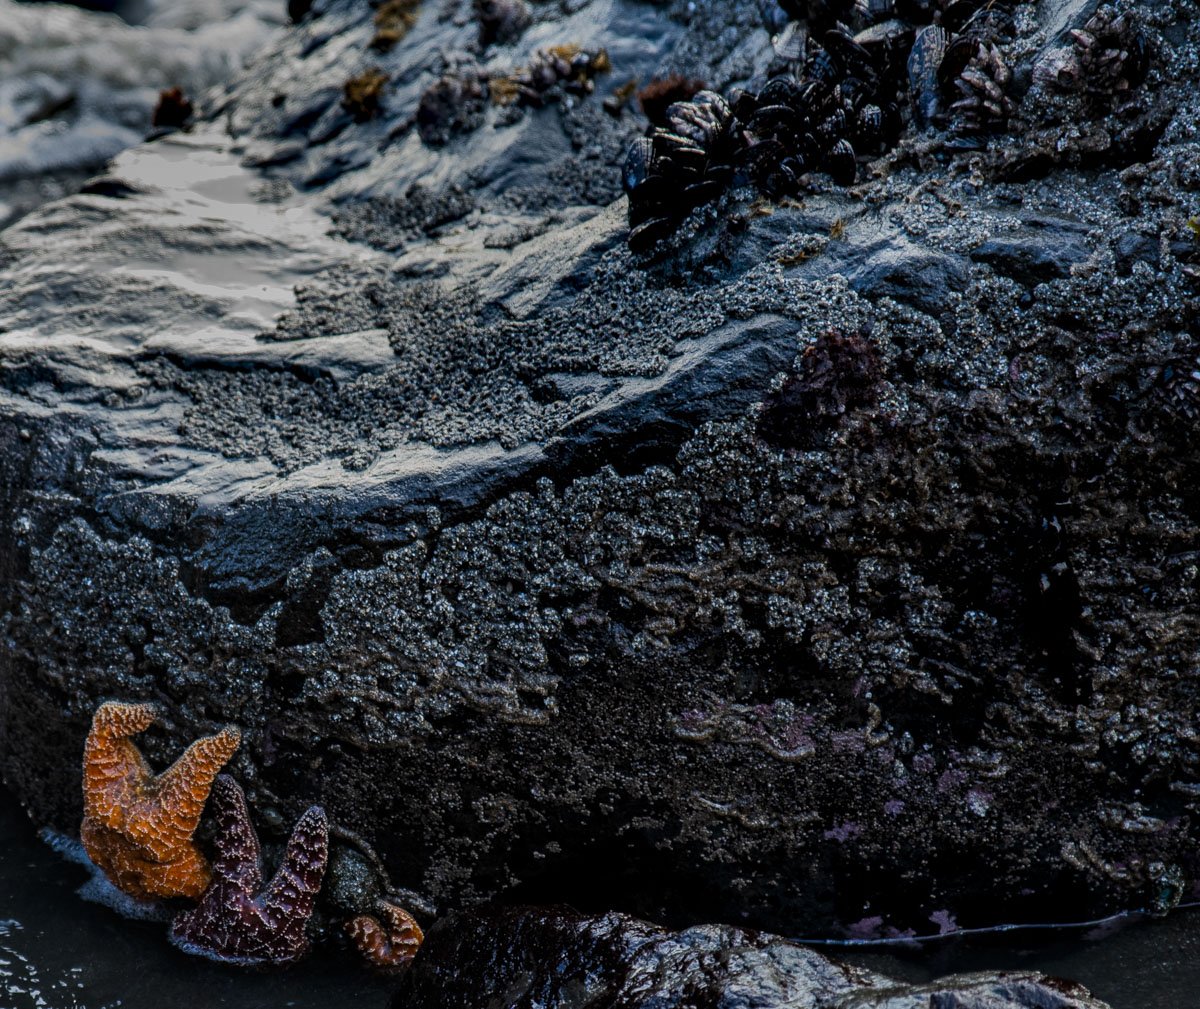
x: 556, y: 958
x: 1035, y: 256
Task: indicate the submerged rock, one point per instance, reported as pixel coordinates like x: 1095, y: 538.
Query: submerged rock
x: 554, y: 576
x: 556, y: 958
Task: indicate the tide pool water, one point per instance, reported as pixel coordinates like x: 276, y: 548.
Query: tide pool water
x: 59, y: 950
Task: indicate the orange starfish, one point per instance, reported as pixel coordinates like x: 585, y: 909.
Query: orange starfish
x: 392, y: 945
x: 138, y: 826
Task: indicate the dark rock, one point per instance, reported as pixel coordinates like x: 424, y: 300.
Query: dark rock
x: 1132, y: 247
x: 881, y: 263
x: 472, y: 526
x: 1035, y: 256
x: 555, y: 958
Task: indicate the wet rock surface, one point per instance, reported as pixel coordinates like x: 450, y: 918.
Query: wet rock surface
x: 557, y: 575
x: 555, y: 958
x: 78, y: 86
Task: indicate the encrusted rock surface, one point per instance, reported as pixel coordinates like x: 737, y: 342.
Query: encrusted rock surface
x: 485, y: 539
x: 555, y: 958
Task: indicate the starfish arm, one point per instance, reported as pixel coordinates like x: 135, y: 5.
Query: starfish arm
x: 177, y: 799
x: 370, y: 938
x: 118, y: 720
x: 292, y: 893
x: 239, y: 857
x: 113, y: 768
x: 387, y: 946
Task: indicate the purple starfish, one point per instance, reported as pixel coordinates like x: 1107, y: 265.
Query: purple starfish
x: 235, y: 922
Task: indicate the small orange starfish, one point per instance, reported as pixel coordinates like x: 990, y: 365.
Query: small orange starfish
x: 387, y: 946
x: 138, y: 826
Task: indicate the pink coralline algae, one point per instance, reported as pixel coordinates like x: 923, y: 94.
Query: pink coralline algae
x: 945, y: 922
x: 239, y: 922
x: 865, y: 928
x: 843, y: 832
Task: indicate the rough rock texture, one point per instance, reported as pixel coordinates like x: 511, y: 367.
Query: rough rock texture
x: 555, y: 958
x: 556, y: 575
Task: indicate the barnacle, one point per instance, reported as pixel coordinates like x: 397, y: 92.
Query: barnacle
x: 983, y: 105
x: 393, y: 20
x: 1108, y: 59
x: 775, y: 139
x: 1113, y: 55
x: 569, y: 67
x: 836, y: 93
x: 361, y: 94
x: 452, y: 104
x: 138, y: 826
x: 501, y: 21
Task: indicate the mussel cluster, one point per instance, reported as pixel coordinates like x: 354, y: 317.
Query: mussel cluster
x: 846, y: 78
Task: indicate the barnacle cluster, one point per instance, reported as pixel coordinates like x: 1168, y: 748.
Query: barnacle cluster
x: 1108, y: 58
x: 845, y: 80
x: 972, y: 81
x: 455, y: 102
x: 568, y: 68
x: 393, y: 20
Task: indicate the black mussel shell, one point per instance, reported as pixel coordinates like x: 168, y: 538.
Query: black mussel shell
x: 852, y: 58
x: 638, y: 160
x: 924, y: 61
x: 770, y: 118
x: 649, y: 233
x: 778, y: 91
x: 840, y: 163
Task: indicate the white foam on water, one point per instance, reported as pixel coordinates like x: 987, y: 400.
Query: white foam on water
x: 98, y: 889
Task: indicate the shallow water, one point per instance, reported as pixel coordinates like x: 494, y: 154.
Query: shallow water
x: 58, y: 951
x: 1142, y: 964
